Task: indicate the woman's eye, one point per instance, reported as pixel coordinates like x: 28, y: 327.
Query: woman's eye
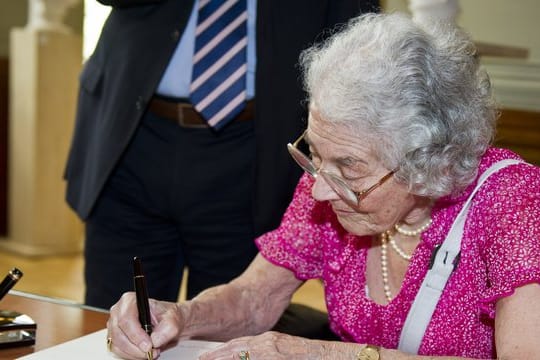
x: 350, y: 175
x: 350, y: 178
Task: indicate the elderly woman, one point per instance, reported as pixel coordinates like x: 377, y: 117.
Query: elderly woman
x: 401, y: 120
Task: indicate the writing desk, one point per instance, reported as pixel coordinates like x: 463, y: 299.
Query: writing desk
x: 57, y: 320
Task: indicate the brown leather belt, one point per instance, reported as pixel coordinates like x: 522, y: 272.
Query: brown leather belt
x: 186, y: 116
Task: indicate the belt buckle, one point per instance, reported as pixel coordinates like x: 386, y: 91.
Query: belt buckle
x: 180, y: 118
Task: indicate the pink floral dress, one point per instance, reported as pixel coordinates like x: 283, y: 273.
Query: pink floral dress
x: 500, y: 251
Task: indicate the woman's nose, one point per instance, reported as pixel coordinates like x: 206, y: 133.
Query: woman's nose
x: 321, y: 191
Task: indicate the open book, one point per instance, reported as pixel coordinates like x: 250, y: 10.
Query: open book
x: 93, y: 347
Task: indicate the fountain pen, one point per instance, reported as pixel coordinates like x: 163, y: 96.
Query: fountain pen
x: 141, y: 293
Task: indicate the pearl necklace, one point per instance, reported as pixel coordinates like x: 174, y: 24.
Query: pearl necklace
x: 384, y: 267
x: 386, y: 238
x: 396, y: 247
x: 413, y: 232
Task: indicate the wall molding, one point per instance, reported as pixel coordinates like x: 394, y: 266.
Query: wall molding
x: 516, y: 83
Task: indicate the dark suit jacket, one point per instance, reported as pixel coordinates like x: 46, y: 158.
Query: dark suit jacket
x: 136, y: 43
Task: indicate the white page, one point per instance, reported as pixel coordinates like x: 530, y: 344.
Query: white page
x: 94, y: 347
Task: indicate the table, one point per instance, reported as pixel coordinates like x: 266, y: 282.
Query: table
x: 57, y: 320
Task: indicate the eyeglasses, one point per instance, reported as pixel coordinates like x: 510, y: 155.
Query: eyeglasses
x: 352, y: 198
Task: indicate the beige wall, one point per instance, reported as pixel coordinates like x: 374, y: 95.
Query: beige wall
x: 15, y: 13
x: 496, y: 21
x: 504, y: 22
x: 516, y: 82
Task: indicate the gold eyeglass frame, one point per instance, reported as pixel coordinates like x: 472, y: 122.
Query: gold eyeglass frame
x: 340, y: 187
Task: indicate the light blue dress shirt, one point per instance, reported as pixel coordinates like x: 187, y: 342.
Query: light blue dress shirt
x: 177, y: 77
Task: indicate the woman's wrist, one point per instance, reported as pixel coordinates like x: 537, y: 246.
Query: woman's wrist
x: 183, y: 310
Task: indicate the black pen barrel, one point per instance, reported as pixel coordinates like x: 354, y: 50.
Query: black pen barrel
x: 9, y: 281
x: 141, y: 292
x: 143, y: 305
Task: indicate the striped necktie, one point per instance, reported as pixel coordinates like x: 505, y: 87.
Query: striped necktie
x: 218, y: 81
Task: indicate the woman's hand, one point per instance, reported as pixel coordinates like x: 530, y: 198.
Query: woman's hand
x: 275, y: 346
x: 250, y: 304
x: 129, y: 340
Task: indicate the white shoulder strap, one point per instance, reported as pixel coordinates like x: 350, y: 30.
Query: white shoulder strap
x: 443, y: 261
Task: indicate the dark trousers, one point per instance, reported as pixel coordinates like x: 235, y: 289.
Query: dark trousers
x: 178, y: 198
x: 305, y: 321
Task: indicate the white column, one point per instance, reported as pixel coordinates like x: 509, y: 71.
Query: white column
x: 428, y: 10
x: 45, y: 60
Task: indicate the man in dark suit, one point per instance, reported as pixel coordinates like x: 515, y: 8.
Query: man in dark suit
x: 150, y: 179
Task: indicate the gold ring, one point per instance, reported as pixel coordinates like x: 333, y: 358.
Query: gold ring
x: 109, y: 343
x: 243, y: 355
